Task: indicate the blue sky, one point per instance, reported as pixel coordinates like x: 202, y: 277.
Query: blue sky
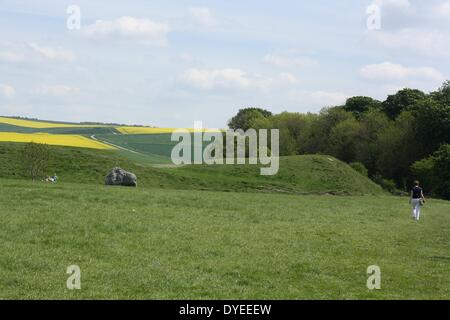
x: 169, y: 63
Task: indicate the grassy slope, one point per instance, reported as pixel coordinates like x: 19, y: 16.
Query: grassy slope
x: 300, y: 174
x: 150, y: 243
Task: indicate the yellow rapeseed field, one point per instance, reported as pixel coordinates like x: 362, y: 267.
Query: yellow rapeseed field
x: 148, y: 130
x: 123, y: 129
x: 42, y: 124
x: 68, y: 140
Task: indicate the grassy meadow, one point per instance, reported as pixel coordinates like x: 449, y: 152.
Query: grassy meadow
x: 207, y: 232
x: 151, y: 243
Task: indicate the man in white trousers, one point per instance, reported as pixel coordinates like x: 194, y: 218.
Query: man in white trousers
x: 417, y: 200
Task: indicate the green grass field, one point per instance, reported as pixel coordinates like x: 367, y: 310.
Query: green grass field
x: 214, y: 232
x: 149, y: 144
x: 170, y: 244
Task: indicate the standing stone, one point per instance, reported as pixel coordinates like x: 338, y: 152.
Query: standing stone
x: 120, y: 177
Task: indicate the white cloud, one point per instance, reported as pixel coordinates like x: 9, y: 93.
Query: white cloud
x: 7, y: 91
x: 393, y: 3
x: 52, y: 53
x: 144, y: 30
x: 388, y: 71
x: 418, y: 27
x: 185, y: 58
x: 443, y: 9
x: 10, y: 56
x: 430, y: 43
x: 389, y: 89
x: 56, y: 90
x: 287, y: 61
x: 28, y: 52
x: 325, y: 98
x: 285, y: 78
x: 202, y: 17
x: 207, y: 79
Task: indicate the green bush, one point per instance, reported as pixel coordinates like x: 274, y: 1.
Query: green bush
x: 434, y: 172
x: 361, y: 168
x: 35, y: 157
x: 386, y: 184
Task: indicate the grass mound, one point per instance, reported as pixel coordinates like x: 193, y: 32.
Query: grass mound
x: 312, y: 174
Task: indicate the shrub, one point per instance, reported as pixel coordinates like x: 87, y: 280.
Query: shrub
x: 434, y: 172
x: 35, y: 157
x: 386, y: 184
x: 361, y: 168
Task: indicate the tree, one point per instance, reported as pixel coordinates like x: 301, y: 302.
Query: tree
x: 403, y: 100
x: 434, y: 172
x: 359, y: 105
x: 343, y: 140
x: 443, y: 94
x: 295, y: 130
x: 396, y: 149
x: 35, y: 157
x: 373, y: 123
x: 442, y: 171
x: 432, y: 127
x: 245, y: 118
x: 328, y: 118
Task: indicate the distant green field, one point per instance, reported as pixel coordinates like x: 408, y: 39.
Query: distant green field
x: 148, y: 144
x: 149, y: 243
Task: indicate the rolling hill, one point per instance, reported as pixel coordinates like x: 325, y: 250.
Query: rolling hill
x: 298, y: 174
x: 138, y: 143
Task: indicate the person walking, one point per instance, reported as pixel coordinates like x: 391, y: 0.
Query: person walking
x: 417, y: 200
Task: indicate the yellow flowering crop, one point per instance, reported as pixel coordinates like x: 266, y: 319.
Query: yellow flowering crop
x: 123, y: 129
x: 43, y: 125
x: 68, y: 140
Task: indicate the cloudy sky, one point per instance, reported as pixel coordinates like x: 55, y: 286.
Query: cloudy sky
x: 169, y: 63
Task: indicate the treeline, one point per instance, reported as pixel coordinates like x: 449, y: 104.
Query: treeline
x: 394, y: 142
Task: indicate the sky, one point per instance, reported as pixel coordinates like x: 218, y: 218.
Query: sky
x: 170, y: 63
